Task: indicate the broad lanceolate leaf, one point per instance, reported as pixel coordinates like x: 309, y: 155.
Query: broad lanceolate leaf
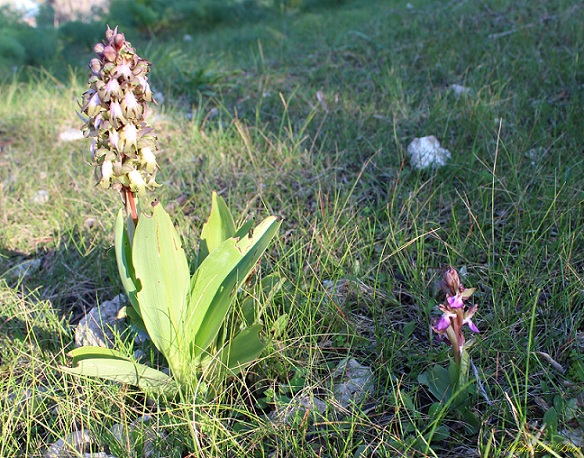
x: 123, y: 249
x: 437, y: 379
x: 218, y: 228
x: 112, y: 365
x: 162, y: 270
x: 219, y: 276
x: 243, y: 348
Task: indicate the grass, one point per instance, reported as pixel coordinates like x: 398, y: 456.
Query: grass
x: 508, y: 208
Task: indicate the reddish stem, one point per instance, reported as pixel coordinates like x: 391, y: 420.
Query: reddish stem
x: 131, y: 204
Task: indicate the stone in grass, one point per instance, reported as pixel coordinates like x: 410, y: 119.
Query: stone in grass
x: 95, y: 328
x: 138, y: 431
x: 426, y: 152
x: 40, y: 197
x: 75, y: 444
x: 459, y: 90
x: 71, y: 135
x: 303, y: 405
x: 25, y: 268
x: 353, y: 382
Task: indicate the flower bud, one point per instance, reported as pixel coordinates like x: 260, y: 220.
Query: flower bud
x: 98, y: 49
x: 95, y: 65
x: 109, y: 54
x: 450, y: 283
x: 109, y: 33
x: 119, y: 41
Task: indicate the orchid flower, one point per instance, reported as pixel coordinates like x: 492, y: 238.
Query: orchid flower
x: 115, y: 106
x: 455, y: 314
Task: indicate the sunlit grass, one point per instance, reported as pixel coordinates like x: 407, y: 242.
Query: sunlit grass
x: 363, y: 238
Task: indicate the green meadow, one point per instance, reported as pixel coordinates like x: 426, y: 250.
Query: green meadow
x: 307, y: 114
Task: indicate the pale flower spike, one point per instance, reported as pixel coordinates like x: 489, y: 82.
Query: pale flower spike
x: 115, y: 105
x: 454, y: 313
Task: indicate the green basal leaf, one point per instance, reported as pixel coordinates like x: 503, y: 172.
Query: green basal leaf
x: 248, y: 310
x: 161, y: 267
x: 243, y: 348
x: 279, y: 326
x: 437, y: 379
x: 550, y: 419
x: 131, y: 313
x: 218, y: 278
x: 112, y: 365
x: 123, y: 250
x: 440, y: 433
x: 94, y: 352
x: 409, y: 329
x: 218, y: 228
x: 472, y: 423
x: 244, y: 229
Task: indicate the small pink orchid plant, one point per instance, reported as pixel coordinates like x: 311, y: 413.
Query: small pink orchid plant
x: 455, y: 314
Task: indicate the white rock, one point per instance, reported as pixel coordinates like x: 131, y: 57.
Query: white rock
x: 40, y: 197
x: 138, y: 432
x: 460, y: 90
x: 302, y: 405
x: 95, y: 328
x: 25, y: 268
x: 536, y: 154
x: 353, y: 382
x: 426, y: 152
x: 78, y: 441
x: 71, y: 135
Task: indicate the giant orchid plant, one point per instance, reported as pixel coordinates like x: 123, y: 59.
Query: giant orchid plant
x: 189, y: 317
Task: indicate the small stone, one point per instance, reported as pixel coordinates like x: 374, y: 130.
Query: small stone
x: 138, y: 431
x: 426, y: 152
x: 26, y: 268
x: 95, y: 328
x: 40, y: 197
x: 302, y: 405
x: 89, y: 222
x: 460, y: 90
x: 536, y: 154
x: 79, y: 441
x: 71, y: 135
x: 353, y: 382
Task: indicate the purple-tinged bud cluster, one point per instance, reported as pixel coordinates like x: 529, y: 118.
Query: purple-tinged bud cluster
x: 455, y: 314
x: 124, y: 145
